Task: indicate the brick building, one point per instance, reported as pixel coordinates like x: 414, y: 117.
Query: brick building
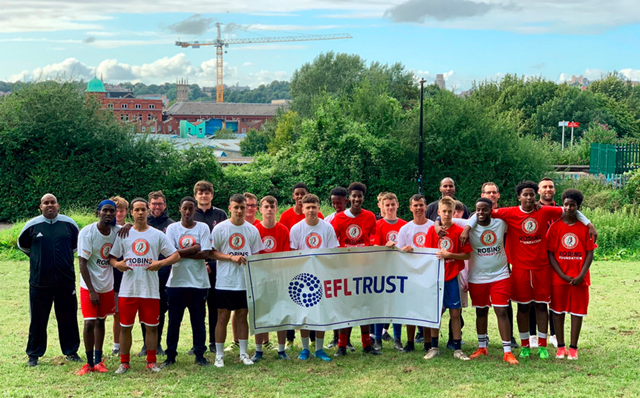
x: 145, y: 113
x: 244, y: 116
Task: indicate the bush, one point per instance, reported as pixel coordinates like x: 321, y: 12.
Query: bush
x: 618, y: 233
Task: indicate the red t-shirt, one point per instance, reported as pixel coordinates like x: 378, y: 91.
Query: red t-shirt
x: 289, y: 218
x: 451, y: 243
x: 570, y: 244
x: 275, y: 239
x: 354, y: 231
x: 527, y: 235
x: 386, y: 231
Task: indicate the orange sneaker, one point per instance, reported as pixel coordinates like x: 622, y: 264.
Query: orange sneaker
x: 479, y: 352
x: 86, y: 368
x: 561, y: 353
x: 100, y: 368
x: 510, y: 359
x: 573, y: 354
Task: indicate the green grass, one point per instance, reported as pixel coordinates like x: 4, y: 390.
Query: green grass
x: 608, y: 365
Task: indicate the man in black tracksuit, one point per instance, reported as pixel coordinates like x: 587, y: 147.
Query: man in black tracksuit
x: 50, y: 241
x: 206, y: 213
x: 158, y: 218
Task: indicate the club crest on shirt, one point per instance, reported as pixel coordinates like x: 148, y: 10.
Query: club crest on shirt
x: 530, y: 226
x: 105, y: 250
x: 354, y: 231
x: 236, y: 241
x: 445, y: 243
x: 313, y: 240
x: 140, y: 247
x: 569, y: 241
x: 391, y: 236
x: 488, y: 238
x: 187, y: 241
x: 420, y: 239
x: 269, y: 243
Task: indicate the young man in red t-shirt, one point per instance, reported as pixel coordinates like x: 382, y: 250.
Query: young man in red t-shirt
x: 570, y: 251
x: 354, y: 228
x: 454, y: 254
x: 526, y: 250
x: 275, y: 238
x: 387, y: 229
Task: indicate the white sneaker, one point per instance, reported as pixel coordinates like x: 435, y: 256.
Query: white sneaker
x: 458, y: 354
x: 432, y: 353
x: 553, y: 340
x: 533, y: 341
x: 219, y: 363
x: 244, y: 358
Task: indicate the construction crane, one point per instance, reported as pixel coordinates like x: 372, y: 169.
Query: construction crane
x: 220, y: 42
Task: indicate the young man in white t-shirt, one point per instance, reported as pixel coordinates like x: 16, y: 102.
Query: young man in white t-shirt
x: 339, y: 200
x: 188, y: 282
x: 96, y: 286
x: 488, y: 278
x: 233, y: 240
x: 312, y: 233
x: 413, y: 235
x: 140, y: 291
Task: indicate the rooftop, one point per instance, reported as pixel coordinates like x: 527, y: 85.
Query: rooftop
x: 224, y: 108
x: 95, y: 86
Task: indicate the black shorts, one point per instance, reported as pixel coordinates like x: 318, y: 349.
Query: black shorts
x: 231, y: 299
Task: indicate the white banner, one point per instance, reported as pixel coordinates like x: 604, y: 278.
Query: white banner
x: 337, y: 288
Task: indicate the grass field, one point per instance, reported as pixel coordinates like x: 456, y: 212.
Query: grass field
x: 608, y: 366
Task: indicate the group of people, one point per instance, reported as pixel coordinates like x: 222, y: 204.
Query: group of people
x: 535, y: 254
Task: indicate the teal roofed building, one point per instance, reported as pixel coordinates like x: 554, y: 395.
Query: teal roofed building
x: 95, y: 86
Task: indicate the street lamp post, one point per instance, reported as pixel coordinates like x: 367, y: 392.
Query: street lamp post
x: 422, y: 81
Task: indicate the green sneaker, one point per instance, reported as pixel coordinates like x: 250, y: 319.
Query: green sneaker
x: 525, y: 352
x: 543, y: 353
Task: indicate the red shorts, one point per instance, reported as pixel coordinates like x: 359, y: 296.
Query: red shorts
x: 148, y: 309
x: 106, y: 307
x: 495, y: 294
x: 529, y: 285
x: 567, y: 299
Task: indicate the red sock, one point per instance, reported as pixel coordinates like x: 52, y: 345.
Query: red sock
x: 342, y: 340
x: 151, y: 356
x: 524, y: 342
x: 542, y: 341
x: 366, y: 339
x: 125, y: 358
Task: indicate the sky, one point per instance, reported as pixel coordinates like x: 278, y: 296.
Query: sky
x: 466, y: 40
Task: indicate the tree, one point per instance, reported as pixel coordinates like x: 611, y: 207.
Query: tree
x: 254, y: 143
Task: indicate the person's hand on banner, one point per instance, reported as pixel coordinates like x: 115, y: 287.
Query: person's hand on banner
x: 238, y: 260
x: 408, y: 248
x: 440, y: 254
x: 391, y: 244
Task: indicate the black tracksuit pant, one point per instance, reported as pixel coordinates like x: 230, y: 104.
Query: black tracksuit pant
x: 65, y: 303
x: 194, y: 299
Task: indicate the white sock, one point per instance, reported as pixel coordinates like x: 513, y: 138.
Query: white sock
x: 243, y: 346
x: 506, y: 346
x: 482, y: 341
x: 319, y: 344
x: 305, y: 343
x: 280, y: 347
x: 542, y: 335
x: 219, y: 350
x: 258, y: 347
x: 116, y: 346
x: 524, y: 336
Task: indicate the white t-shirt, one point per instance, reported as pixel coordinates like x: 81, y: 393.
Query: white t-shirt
x: 305, y: 237
x: 488, y: 262
x: 243, y: 240
x: 189, y: 272
x: 329, y: 217
x: 95, y: 247
x: 413, y: 234
x: 141, y: 248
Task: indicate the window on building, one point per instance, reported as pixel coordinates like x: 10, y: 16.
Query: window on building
x: 110, y: 105
x: 140, y: 116
x: 153, y: 129
x: 126, y: 117
x: 122, y: 116
x: 152, y: 106
x: 149, y: 117
x: 159, y: 129
x: 170, y: 128
x: 144, y: 129
x: 138, y: 106
x: 244, y: 130
x: 123, y: 106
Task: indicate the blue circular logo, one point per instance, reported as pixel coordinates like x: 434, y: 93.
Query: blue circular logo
x: 305, y: 290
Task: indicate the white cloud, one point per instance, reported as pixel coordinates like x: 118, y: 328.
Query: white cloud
x: 631, y: 74
x: 247, y: 64
x: 166, y: 69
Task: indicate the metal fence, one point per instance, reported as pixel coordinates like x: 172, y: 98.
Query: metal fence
x: 610, y: 159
